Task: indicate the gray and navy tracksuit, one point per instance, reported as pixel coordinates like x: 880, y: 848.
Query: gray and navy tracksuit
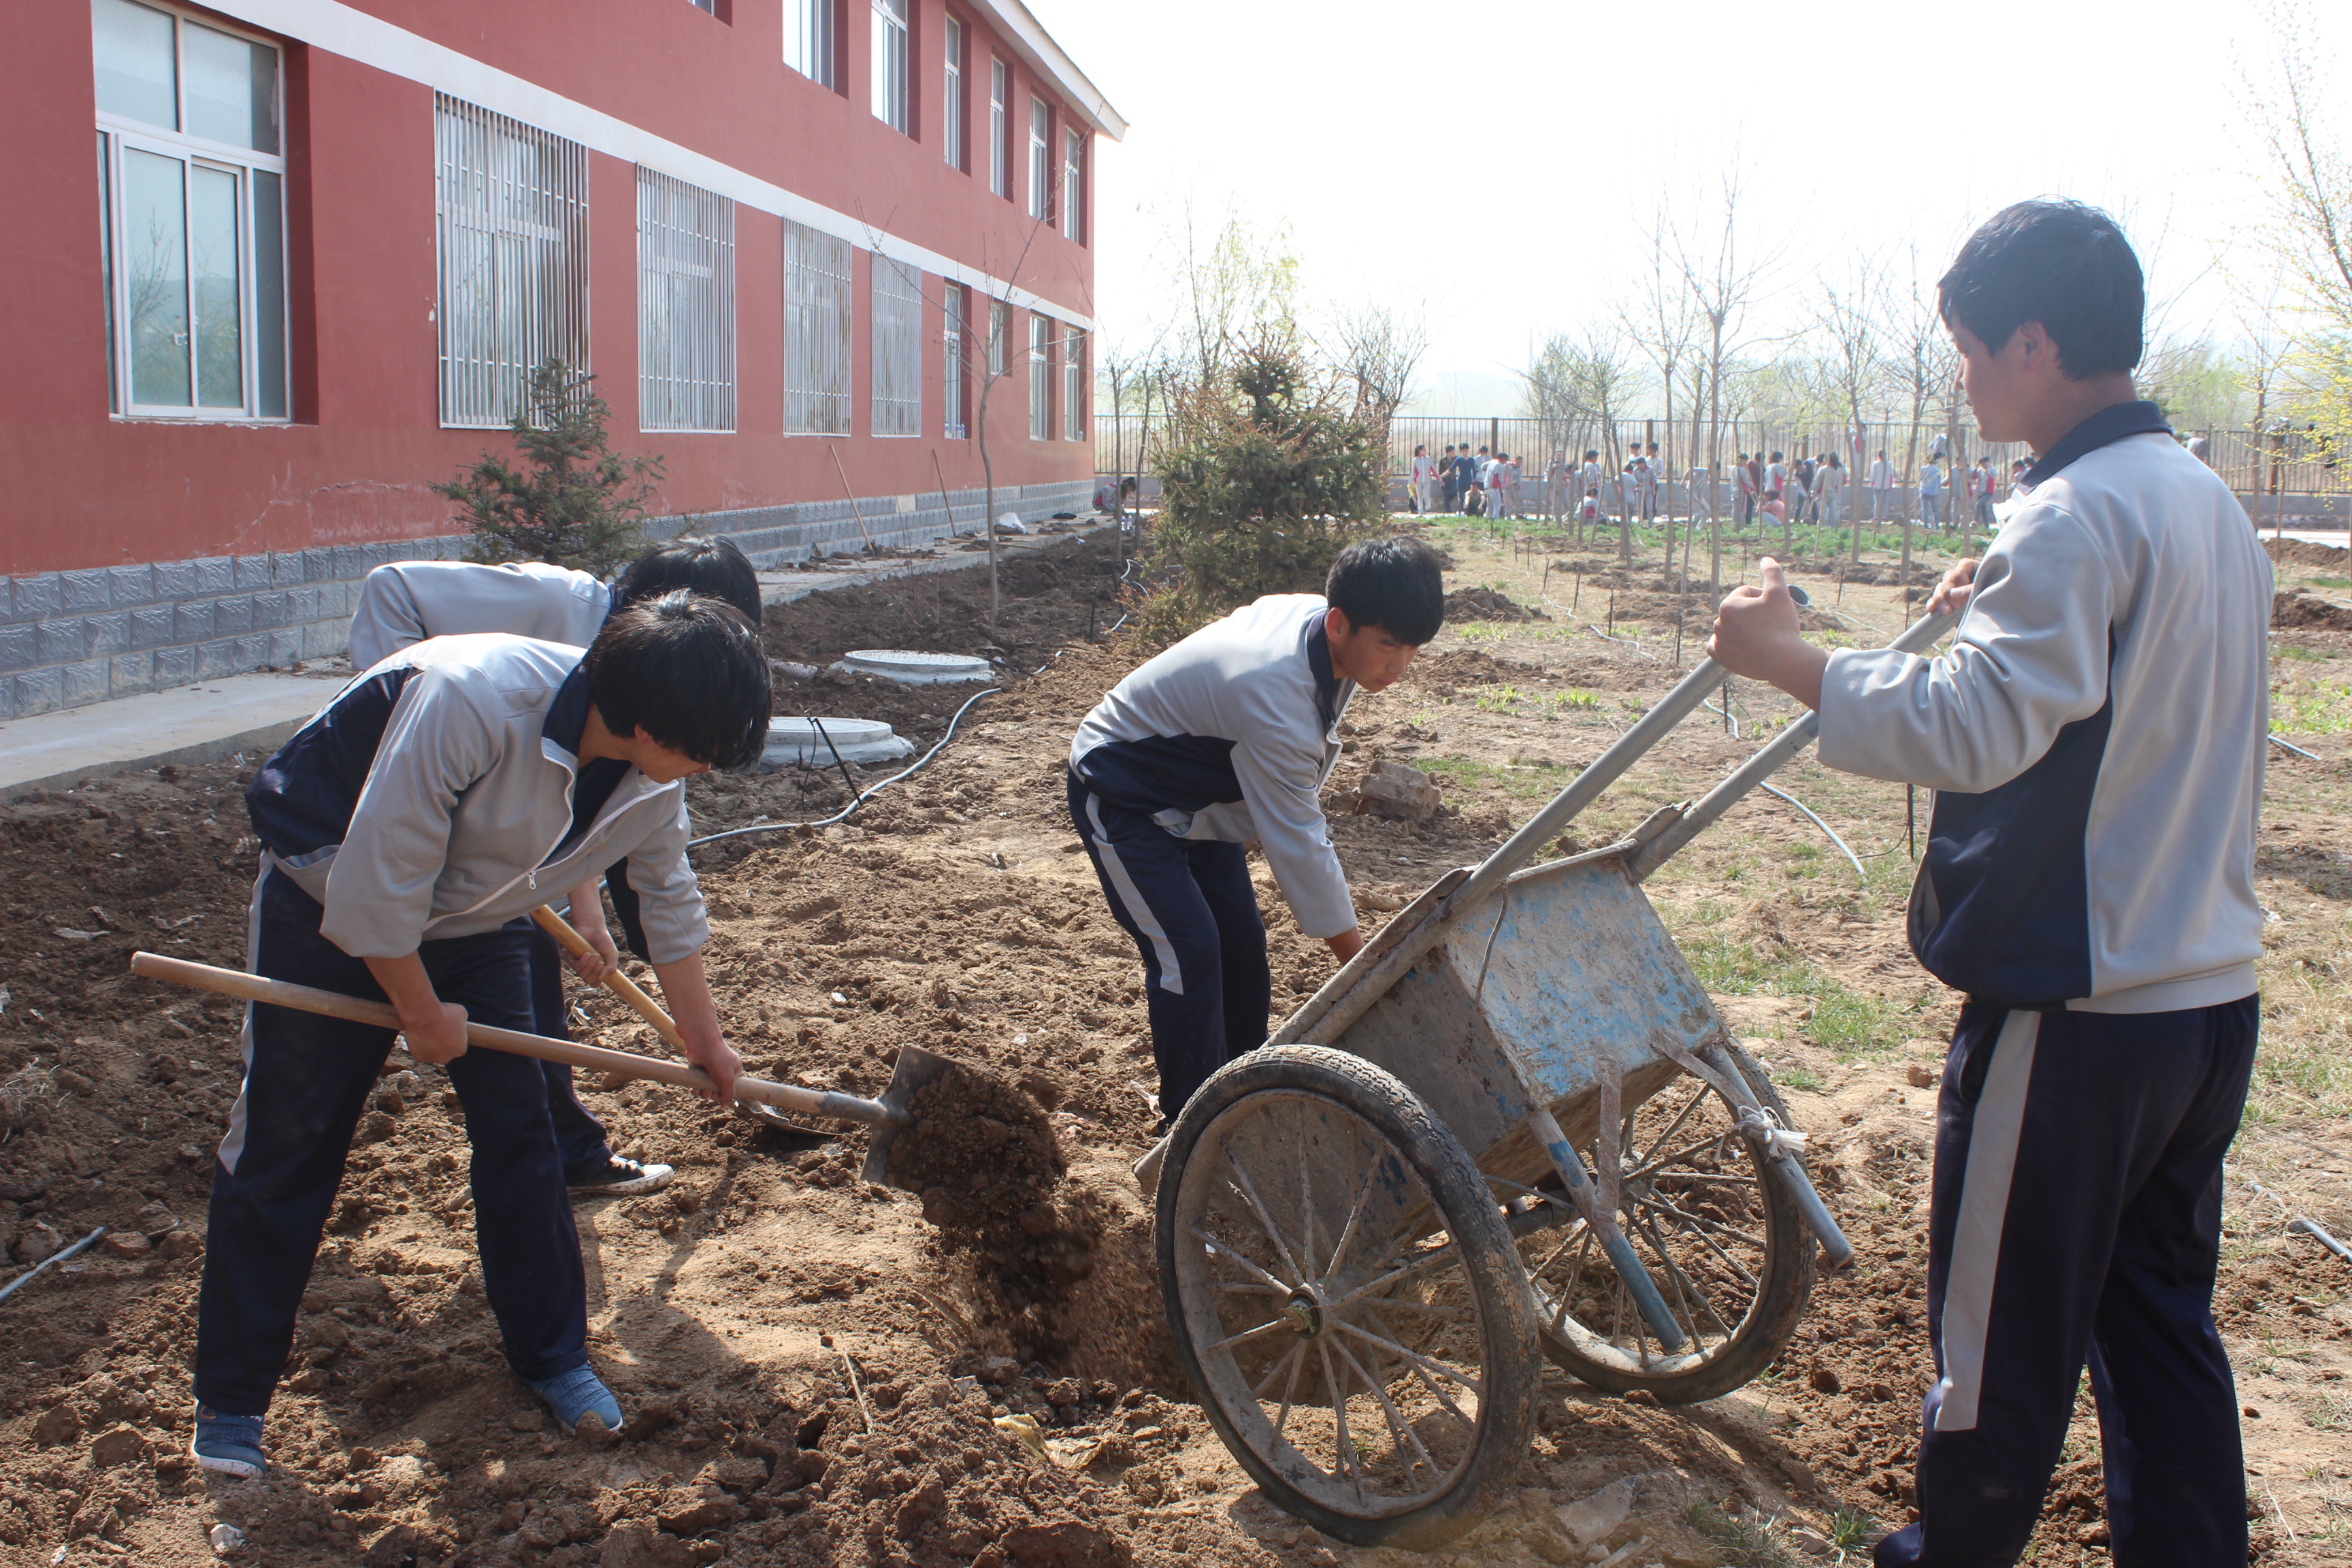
x: 426, y: 809
x: 1223, y: 740
x: 2096, y: 737
x: 405, y: 603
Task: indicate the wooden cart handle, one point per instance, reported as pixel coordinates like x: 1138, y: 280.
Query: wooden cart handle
x: 618, y: 983
x: 335, y: 1004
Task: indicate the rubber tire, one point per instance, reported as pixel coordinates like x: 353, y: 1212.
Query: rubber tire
x: 1507, y: 1425
x: 1788, y: 1286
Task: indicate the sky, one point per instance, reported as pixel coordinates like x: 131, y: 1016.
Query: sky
x: 1492, y: 167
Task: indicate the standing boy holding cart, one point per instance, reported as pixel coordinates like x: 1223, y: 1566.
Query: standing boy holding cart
x: 407, y: 832
x: 2095, y: 735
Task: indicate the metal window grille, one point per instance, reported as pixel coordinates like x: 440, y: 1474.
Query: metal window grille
x: 1073, y: 385
x: 808, y: 39
x: 512, y: 204
x: 1000, y: 134
x: 897, y: 349
x: 1041, y: 377
x: 952, y: 142
x: 816, y: 332
x: 1074, y: 152
x: 891, y: 96
x: 1040, y: 160
x: 951, y: 362
x: 1000, y: 323
x: 686, y: 306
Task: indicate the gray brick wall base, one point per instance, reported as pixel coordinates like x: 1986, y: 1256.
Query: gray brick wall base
x: 67, y: 639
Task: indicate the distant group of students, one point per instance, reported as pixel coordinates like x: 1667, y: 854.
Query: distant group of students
x: 1485, y: 485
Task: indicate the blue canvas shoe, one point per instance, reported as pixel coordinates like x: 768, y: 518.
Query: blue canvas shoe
x: 577, y: 1392
x: 228, y: 1445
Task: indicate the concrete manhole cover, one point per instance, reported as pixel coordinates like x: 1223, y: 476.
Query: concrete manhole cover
x: 911, y: 669
x: 791, y: 741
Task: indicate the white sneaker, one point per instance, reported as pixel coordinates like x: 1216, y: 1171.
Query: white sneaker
x: 1147, y: 1170
x: 621, y: 1178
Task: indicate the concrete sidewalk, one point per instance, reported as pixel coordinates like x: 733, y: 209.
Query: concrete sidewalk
x: 199, y: 723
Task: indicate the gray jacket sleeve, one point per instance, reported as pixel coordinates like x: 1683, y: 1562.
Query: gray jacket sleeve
x: 2030, y: 658
x: 1281, y: 781
x: 380, y: 886
x: 387, y: 619
x: 669, y: 900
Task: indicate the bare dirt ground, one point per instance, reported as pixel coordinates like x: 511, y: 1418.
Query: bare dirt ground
x: 821, y: 1374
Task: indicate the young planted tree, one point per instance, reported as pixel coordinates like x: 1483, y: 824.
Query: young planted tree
x: 1664, y: 324
x: 1269, y: 474
x: 1379, y: 353
x: 574, y: 502
x: 2308, y: 173
x: 1725, y: 277
x: 1852, y: 363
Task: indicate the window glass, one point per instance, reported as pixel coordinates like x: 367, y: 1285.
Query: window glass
x: 1041, y: 159
x: 132, y: 48
x: 232, y: 88
x: 212, y: 264
x: 890, y: 84
x: 952, y: 141
x: 816, y: 331
x: 269, y: 294
x: 897, y: 349
x: 156, y: 271
x: 951, y: 371
x: 808, y: 38
x: 1041, y: 378
x: 1000, y: 134
x: 1074, y: 151
x: 106, y: 262
x: 686, y: 306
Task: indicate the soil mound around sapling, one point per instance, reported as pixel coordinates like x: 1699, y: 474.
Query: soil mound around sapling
x: 2298, y: 611
x: 1471, y: 667
x: 1487, y: 605
x: 2304, y: 552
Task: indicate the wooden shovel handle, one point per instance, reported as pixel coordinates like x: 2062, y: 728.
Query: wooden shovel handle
x: 335, y: 1004
x: 618, y: 983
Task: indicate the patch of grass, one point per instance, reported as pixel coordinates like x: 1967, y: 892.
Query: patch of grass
x: 1848, y: 1529
x: 1517, y: 781
x: 1501, y: 700
x: 2309, y: 655
x: 1846, y: 1021
x: 1482, y: 631
x: 2329, y: 581
x: 1803, y: 1079
x: 1743, y: 1543
x: 2304, y: 1062
x: 2319, y: 708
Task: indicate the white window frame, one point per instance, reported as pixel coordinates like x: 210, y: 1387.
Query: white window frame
x: 116, y: 133
x: 999, y: 327
x: 499, y: 245
x: 686, y: 306
x: 1000, y: 130
x: 897, y: 292
x: 956, y: 302
x: 810, y: 45
x: 1074, y: 387
x: 892, y: 63
x: 952, y: 107
x: 1074, y: 183
x: 818, y: 308
x: 1041, y: 159
x: 1041, y: 376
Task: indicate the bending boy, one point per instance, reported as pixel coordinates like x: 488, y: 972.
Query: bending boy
x: 406, y: 832
x: 1225, y: 740
x: 2094, y: 736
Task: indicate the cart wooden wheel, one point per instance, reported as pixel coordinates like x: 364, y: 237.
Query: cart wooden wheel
x: 1343, y: 1293
x: 1720, y: 1232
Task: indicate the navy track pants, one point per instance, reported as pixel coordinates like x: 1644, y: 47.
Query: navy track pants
x: 579, y: 1136
x: 308, y: 1081
x: 2077, y: 1215
x: 1193, y: 915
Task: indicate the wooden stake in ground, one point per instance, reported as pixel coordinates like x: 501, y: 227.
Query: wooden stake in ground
x: 941, y: 474
x: 852, y: 498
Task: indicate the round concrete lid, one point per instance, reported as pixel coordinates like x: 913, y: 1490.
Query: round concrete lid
x: 791, y: 740
x: 908, y: 668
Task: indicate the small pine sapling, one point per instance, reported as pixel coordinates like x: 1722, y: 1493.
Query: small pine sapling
x: 574, y: 502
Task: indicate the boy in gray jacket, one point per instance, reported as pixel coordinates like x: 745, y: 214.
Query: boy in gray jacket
x: 407, y: 831
x: 2094, y: 736
x: 1222, y: 741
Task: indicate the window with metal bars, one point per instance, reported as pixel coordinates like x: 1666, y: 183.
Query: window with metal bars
x: 1073, y: 385
x: 1000, y: 323
x: 951, y: 367
x: 1000, y: 131
x: 893, y: 88
x: 191, y: 174
x: 816, y: 332
x: 1041, y: 377
x: 1040, y: 160
x: 951, y: 142
x: 898, y: 348
x: 1074, y: 154
x: 809, y: 47
x: 512, y: 205
x: 686, y: 306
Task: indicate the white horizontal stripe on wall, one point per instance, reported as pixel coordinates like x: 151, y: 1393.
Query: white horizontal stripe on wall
x: 354, y: 33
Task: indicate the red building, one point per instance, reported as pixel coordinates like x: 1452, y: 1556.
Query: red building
x: 272, y: 268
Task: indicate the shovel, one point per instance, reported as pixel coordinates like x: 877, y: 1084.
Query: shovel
x: 651, y: 1011
x: 917, y: 1067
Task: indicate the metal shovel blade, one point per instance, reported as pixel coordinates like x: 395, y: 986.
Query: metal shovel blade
x: 916, y: 1068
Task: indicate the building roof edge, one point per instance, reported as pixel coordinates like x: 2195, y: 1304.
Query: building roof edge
x: 1043, y: 55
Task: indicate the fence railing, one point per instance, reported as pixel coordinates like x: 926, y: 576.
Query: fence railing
x: 2296, y: 466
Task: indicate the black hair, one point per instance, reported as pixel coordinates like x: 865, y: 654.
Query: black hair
x: 711, y: 566
x: 1395, y: 584
x: 1775, y: 458
x: 688, y: 669
x: 2063, y: 263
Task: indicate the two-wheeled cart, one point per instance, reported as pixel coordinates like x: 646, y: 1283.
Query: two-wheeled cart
x: 1512, y: 1126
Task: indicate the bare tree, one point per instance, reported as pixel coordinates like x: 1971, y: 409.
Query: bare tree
x: 1664, y: 320
x: 2309, y: 173
x: 1726, y: 277
x: 1924, y: 366
x: 1379, y: 353
x: 1852, y: 359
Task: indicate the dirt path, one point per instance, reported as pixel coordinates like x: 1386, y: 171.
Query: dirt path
x: 822, y: 1376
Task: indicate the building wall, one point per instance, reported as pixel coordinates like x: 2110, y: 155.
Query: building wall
x: 125, y: 519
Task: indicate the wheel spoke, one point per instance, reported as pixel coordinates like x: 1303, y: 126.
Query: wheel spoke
x: 1413, y: 1357
x: 1682, y: 1277
x: 1221, y: 1250
x: 1684, y: 1152
x: 1400, y: 1430
x: 1713, y: 1225
x: 1575, y: 1273
x: 1422, y: 1375
x: 1729, y: 1262
x: 1421, y: 1264
x: 1451, y: 1314
x: 1306, y: 1213
x: 1363, y: 1185
x: 1288, y: 1388
x: 1674, y: 1277
x: 1672, y: 1127
x: 1345, y: 1450
x: 1247, y: 1334
x: 1289, y: 1359
x: 1245, y: 1288
x: 1249, y: 1191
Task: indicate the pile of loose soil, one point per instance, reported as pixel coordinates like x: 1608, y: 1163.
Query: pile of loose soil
x: 2296, y: 610
x: 1051, y: 595
x: 1486, y: 605
x: 2304, y: 552
x: 1460, y: 666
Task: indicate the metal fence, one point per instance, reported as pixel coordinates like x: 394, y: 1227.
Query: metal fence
x: 2288, y: 473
